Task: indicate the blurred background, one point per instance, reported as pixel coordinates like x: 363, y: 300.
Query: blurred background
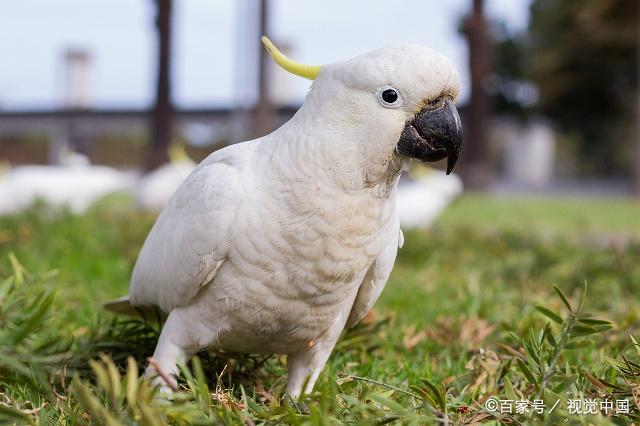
x: 107, y: 105
x: 550, y: 98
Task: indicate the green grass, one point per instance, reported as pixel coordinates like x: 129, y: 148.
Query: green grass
x: 548, y: 215
x: 463, y: 318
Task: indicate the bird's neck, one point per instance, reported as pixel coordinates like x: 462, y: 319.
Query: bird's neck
x: 346, y: 156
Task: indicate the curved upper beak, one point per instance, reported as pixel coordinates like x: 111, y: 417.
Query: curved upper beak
x: 432, y: 135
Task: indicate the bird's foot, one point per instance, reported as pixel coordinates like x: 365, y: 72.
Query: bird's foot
x: 296, y: 403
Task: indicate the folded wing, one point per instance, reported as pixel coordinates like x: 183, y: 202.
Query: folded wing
x: 190, y: 240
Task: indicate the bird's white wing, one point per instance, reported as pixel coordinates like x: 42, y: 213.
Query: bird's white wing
x: 190, y: 239
x: 374, y: 281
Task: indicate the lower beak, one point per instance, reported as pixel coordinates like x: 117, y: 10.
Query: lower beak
x: 432, y: 135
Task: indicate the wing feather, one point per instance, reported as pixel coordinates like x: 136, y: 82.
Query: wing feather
x: 190, y: 240
x: 373, y: 283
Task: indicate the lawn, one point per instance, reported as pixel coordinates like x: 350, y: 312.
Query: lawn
x: 470, y: 313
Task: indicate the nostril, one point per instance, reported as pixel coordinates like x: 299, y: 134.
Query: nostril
x: 436, y: 103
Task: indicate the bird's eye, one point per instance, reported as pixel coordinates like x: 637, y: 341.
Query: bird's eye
x: 389, y: 97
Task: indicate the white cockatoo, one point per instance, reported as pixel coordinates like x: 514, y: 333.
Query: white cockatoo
x: 153, y: 190
x: 275, y: 245
x: 75, y: 184
x: 423, y: 199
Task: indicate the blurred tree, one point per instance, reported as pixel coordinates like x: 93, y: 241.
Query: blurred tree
x: 585, y: 68
x: 582, y: 57
x: 510, y: 91
x: 636, y: 180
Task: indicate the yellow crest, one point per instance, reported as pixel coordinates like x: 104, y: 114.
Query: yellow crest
x: 306, y: 71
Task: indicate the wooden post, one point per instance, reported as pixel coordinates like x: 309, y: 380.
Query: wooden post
x: 162, y: 114
x: 263, y: 111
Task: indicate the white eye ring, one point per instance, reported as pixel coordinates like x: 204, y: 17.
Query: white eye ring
x: 384, y: 97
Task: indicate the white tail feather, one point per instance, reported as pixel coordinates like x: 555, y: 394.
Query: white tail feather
x: 122, y: 306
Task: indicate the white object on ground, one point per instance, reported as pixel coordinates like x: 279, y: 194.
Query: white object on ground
x: 422, y: 201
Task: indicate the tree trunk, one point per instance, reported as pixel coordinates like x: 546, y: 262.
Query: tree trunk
x: 475, y: 155
x: 163, y: 110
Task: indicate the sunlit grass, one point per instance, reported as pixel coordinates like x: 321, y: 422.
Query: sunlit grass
x: 547, y: 215
x: 441, y: 331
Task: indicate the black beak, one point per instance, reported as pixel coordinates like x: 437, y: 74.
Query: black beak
x: 432, y: 135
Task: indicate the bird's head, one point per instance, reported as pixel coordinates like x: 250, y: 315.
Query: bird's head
x: 399, y: 101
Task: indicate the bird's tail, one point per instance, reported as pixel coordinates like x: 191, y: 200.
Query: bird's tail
x: 122, y: 305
